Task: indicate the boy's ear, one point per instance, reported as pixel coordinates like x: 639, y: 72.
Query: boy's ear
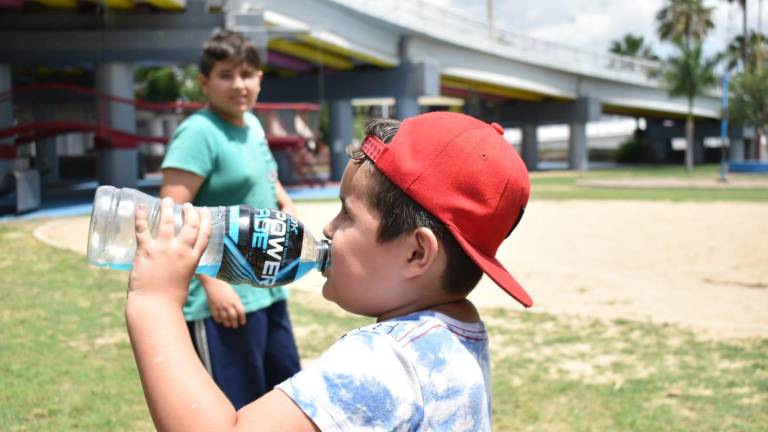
x: 422, y: 250
x: 203, y: 80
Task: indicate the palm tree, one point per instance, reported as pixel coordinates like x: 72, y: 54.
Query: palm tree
x: 759, y: 53
x: 688, y: 74
x: 735, y: 52
x: 684, y: 20
x: 744, y: 31
x: 686, y: 23
x: 633, y: 46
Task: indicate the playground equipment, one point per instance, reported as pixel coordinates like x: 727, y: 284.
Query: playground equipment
x: 292, y: 128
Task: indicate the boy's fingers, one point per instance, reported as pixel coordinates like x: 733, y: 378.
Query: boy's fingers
x: 142, y: 227
x: 189, y: 232
x: 224, y: 317
x: 216, y: 315
x: 166, y: 229
x: 204, y: 233
x: 232, y: 317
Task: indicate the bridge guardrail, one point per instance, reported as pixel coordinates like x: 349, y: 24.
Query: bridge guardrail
x: 431, y: 19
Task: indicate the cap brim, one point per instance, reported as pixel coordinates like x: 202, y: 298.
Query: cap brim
x: 494, y: 269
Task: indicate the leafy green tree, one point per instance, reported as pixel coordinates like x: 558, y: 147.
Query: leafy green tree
x: 749, y: 99
x: 688, y: 74
x: 633, y: 46
x: 168, y: 84
x: 158, y: 84
x: 190, y: 89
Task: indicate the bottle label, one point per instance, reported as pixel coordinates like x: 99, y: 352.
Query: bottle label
x: 261, y: 247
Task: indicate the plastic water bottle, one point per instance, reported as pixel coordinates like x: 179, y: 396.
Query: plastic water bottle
x: 259, y: 247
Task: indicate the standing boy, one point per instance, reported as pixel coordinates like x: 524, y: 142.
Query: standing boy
x: 424, y: 207
x: 219, y: 157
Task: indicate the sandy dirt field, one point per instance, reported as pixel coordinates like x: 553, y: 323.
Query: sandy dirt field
x: 699, y: 265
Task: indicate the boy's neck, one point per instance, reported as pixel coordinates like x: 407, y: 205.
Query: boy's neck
x: 462, y: 310
x: 234, y: 121
x: 459, y: 309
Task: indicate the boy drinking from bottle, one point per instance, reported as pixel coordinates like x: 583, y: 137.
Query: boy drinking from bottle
x: 424, y: 206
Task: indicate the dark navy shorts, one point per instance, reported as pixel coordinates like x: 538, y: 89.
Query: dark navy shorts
x: 250, y: 360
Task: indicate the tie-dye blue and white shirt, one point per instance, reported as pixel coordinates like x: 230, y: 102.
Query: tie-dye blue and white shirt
x: 421, y: 372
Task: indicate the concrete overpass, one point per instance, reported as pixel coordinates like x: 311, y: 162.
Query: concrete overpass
x: 336, y: 51
x: 504, y: 77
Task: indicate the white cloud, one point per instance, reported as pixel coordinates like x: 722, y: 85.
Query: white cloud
x: 593, y: 24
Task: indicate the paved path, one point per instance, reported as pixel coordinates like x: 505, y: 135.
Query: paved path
x: 700, y: 265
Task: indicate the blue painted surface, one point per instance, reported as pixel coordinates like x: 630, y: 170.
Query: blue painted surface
x: 52, y: 209
x: 750, y: 167
x: 313, y: 193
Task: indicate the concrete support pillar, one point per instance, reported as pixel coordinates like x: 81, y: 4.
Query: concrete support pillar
x: 117, y: 167
x: 46, y: 152
x: 530, y: 146
x: 700, y: 131
x: 407, y: 106
x: 7, y: 148
x: 578, y: 155
x: 576, y: 114
x: 473, y: 107
x: 47, y: 159
x: 156, y: 129
x: 341, y: 122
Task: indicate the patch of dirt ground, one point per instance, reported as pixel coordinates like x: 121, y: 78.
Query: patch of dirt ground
x: 699, y: 265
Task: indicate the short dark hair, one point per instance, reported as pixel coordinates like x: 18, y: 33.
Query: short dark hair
x: 400, y: 214
x: 228, y: 45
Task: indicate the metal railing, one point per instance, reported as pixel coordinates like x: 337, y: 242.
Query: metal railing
x: 285, y: 124
x: 424, y: 17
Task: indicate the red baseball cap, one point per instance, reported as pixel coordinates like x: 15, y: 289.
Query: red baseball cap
x: 463, y: 172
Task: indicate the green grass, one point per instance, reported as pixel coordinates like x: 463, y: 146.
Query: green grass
x: 65, y: 361
x: 565, y: 185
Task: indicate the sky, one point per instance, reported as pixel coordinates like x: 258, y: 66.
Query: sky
x: 593, y: 24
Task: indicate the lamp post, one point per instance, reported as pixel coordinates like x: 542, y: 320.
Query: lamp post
x: 724, y: 141
x: 489, y: 15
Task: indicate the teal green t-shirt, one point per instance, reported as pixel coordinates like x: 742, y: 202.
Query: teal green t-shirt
x: 238, y: 168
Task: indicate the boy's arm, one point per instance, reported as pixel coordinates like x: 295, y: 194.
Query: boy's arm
x: 180, y: 185
x: 223, y: 301
x: 179, y: 392
x: 284, y: 201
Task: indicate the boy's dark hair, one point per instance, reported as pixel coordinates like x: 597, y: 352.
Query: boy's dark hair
x: 400, y: 214
x: 228, y: 45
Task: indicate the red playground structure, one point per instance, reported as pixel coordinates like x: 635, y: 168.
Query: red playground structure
x: 292, y: 129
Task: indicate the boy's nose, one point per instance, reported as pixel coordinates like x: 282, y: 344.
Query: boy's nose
x: 327, y: 230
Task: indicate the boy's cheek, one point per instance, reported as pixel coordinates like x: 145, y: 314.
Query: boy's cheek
x: 328, y: 290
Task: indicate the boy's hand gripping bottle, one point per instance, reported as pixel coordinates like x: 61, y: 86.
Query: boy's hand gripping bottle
x: 259, y: 247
